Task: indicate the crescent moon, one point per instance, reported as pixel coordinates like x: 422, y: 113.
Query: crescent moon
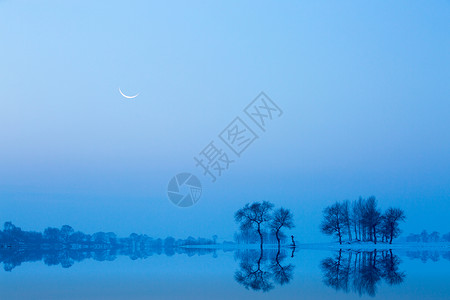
x: 128, y: 97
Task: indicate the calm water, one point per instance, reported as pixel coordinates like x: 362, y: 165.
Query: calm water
x: 219, y: 274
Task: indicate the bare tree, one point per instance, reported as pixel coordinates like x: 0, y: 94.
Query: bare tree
x: 372, y: 218
x: 254, y: 216
x: 392, y: 218
x: 384, y: 229
x: 357, y: 212
x: 332, y: 223
x: 362, y: 220
x: 281, y: 218
x: 361, y: 271
x: 355, y: 218
x: 346, y: 218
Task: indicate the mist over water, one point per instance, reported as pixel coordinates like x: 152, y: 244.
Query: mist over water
x: 225, y: 273
x: 306, y: 107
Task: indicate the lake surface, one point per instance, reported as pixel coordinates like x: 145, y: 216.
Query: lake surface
x: 228, y: 274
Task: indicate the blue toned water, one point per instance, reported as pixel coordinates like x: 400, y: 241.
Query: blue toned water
x: 239, y: 274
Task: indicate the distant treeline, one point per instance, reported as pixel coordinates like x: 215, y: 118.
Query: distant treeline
x: 65, y: 246
x: 12, y: 257
x: 67, y: 237
x: 425, y: 237
x: 362, y: 220
x: 425, y: 255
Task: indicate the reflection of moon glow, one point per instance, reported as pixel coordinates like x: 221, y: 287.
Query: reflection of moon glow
x: 128, y: 97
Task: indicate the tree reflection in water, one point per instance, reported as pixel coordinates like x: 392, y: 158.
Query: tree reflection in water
x: 15, y: 256
x: 361, y: 271
x: 261, y: 270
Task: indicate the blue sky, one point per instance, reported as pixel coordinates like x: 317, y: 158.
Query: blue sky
x: 363, y: 86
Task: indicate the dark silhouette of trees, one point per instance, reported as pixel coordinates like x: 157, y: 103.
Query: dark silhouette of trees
x: 434, y: 237
x: 51, y: 234
x: 390, y: 266
x: 335, y: 272
x: 253, y: 275
x: 413, y: 238
x: 66, y: 246
x: 361, y: 272
x: 281, y: 218
x: 262, y: 271
x: 372, y: 218
x: 333, y: 223
x: 425, y: 237
x: 391, y: 220
x: 362, y: 220
x: 357, y: 218
x: 191, y: 241
x: 347, y: 218
x: 246, y: 236
x: 79, y: 238
x: 251, y: 236
x: 254, y: 216
x: 257, y: 223
x: 65, y: 232
x: 425, y: 255
x: 13, y: 235
x: 281, y: 274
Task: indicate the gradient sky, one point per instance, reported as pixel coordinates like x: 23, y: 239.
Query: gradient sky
x: 364, y: 88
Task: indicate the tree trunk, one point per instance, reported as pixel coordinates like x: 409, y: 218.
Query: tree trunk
x: 278, y: 239
x: 339, y: 264
x: 391, y: 237
x: 260, y: 235
x: 349, y: 232
x: 339, y: 229
x: 359, y: 230
x: 260, y: 258
x: 374, y: 235
x: 276, y: 258
x: 340, y: 236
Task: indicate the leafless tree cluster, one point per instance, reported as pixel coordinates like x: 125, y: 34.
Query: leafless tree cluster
x: 262, y: 272
x: 259, y: 216
x: 362, y: 272
x: 361, y: 220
